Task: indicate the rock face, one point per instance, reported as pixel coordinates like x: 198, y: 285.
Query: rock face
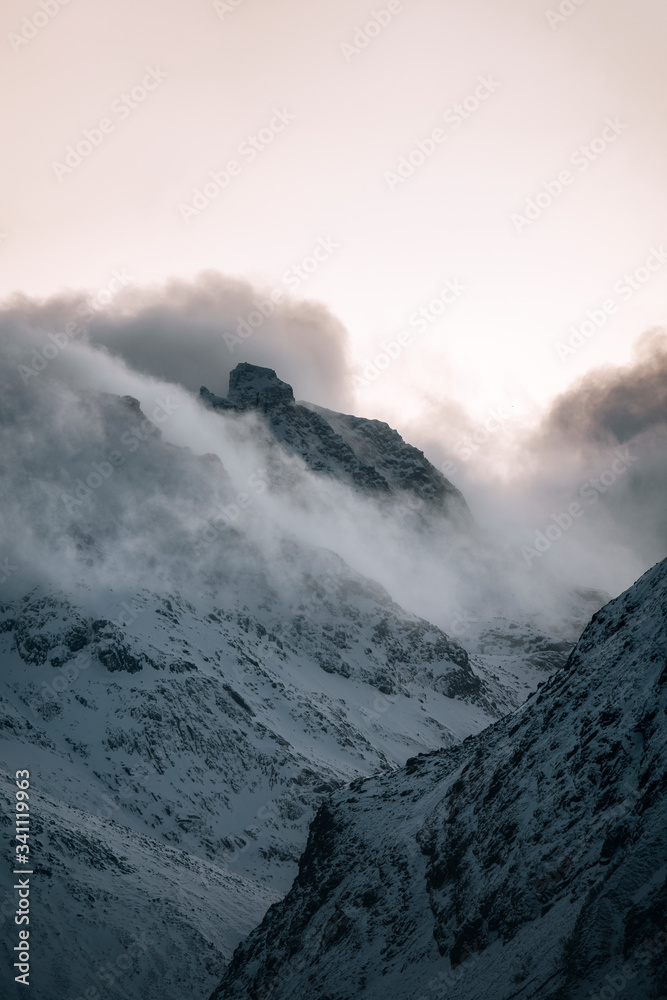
x: 252, y: 387
x: 366, y: 453
x: 527, y: 862
x: 183, y: 748
x: 190, y: 676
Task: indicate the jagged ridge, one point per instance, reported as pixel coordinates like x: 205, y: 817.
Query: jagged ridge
x: 366, y: 453
x: 525, y: 862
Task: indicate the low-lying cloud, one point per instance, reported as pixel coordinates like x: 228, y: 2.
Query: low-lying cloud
x: 97, y: 489
x: 600, y: 447
x: 613, y: 404
x: 195, y: 332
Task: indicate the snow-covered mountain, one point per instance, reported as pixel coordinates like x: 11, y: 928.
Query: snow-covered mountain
x: 193, y: 660
x: 368, y: 454
x: 529, y: 861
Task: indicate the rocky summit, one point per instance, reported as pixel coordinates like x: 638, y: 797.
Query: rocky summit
x: 368, y: 454
x: 230, y: 663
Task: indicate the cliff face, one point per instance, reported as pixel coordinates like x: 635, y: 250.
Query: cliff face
x: 192, y: 664
x: 366, y: 453
x: 527, y: 862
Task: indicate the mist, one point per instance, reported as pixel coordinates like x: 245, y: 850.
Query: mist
x: 600, y: 447
x: 101, y: 494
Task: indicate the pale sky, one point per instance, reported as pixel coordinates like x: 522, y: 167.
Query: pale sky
x: 337, y: 110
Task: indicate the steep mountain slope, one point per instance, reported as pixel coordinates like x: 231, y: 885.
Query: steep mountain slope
x: 366, y: 453
x: 395, y: 517
x: 115, y: 913
x: 190, y: 670
x: 528, y: 862
x: 169, y: 738
x: 399, y: 463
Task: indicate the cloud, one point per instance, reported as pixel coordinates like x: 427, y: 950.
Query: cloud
x: 141, y: 521
x: 601, y: 444
x: 613, y: 404
x: 195, y: 332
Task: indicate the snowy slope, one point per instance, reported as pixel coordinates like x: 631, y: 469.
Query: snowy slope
x: 368, y: 454
x: 190, y: 674
x: 182, y: 738
x: 528, y: 862
x: 114, y: 910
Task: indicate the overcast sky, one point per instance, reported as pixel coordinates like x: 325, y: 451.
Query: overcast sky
x: 336, y: 94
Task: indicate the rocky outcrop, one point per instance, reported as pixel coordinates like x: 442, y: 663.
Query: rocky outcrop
x: 368, y: 454
x: 527, y: 862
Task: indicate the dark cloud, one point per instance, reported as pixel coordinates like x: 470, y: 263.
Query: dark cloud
x: 195, y: 332
x: 170, y: 340
x: 601, y: 445
x: 614, y: 404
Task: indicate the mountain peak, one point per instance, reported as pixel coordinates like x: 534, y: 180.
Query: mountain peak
x: 365, y: 453
x: 252, y: 387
